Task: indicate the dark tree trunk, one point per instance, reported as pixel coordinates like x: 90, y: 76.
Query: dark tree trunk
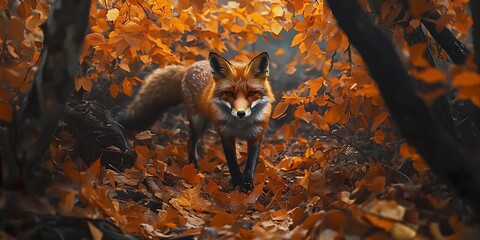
x: 64, y: 30
x: 445, y: 156
x: 441, y: 106
x: 454, y: 48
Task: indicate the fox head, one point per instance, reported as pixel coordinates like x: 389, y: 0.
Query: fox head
x: 241, y: 91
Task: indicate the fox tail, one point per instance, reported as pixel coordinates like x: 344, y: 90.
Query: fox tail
x: 161, y: 90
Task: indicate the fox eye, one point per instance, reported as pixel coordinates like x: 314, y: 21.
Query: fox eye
x: 252, y: 93
x: 228, y: 93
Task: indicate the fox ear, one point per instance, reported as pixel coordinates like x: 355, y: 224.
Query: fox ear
x: 220, y: 66
x: 258, y: 67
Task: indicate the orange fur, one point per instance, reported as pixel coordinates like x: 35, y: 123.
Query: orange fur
x: 235, y: 97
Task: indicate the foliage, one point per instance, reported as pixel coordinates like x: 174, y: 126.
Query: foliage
x: 302, y: 178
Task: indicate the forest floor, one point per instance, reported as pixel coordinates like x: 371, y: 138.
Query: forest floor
x: 318, y: 185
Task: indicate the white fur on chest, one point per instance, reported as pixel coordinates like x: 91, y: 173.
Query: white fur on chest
x: 249, y: 128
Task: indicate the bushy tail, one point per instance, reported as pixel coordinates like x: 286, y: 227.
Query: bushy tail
x: 160, y: 91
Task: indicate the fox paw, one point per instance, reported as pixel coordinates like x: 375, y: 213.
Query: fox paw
x: 247, y: 186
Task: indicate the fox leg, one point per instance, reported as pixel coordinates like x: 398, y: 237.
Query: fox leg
x: 228, y: 144
x: 253, y: 151
x: 197, y: 126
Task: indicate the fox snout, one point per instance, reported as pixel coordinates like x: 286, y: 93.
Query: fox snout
x: 241, y: 114
x: 241, y: 108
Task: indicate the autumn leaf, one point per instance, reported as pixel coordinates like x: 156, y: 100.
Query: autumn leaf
x: 189, y: 173
x: 378, y: 120
x: 466, y: 79
x: 127, y: 87
x: 221, y: 219
x: 112, y: 14
x: 302, y: 114
x: 94, y: 169
x: 114, y: 90
x: 419, y: 7
x: 280, y: 110
x: 298, y: 39
x: 430, y: 75
x: 416, y: 55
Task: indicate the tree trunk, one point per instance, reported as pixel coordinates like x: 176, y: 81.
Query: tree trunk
x: 445, y: 156
x: 64, y: 30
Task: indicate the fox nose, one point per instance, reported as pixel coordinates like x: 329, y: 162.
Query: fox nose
x: 241, y: 114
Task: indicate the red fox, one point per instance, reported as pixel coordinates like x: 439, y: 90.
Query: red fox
x: 235, y: 97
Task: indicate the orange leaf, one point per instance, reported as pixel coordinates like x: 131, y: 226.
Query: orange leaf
x: 3, y: 4
x: 444, y: 20
x: 419, y: 7
x: 378, y: 120
x: 379, y: 222
x: 334, y: 42
x: 331, y: 116
x: 466, y: 79
x: 221, y: 219
x: 11, y: 51
x: 114, y: 90
x: 94, y: 169
x: 178, y: 25
x: 302, y: 114
x: 416, y: 55
x: 298, y: 39
x: 280, y: 110
x: 430, y: 75
x: 127, y: 87
x: 124, y: 66
x: 86, y: 84
x: 189, y: 173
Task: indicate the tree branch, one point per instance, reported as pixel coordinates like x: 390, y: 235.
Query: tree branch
x: 65, y: 30
x: 454, y: 48
x: 445, y: 157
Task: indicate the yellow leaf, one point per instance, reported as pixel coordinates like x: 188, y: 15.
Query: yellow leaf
x: 276, y: 28
x: 112, y: 14
x: 280, y: 51
x: 276, y: 10
x: 124, y: 66
x: 298, y: 39
x: 257, y: 18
